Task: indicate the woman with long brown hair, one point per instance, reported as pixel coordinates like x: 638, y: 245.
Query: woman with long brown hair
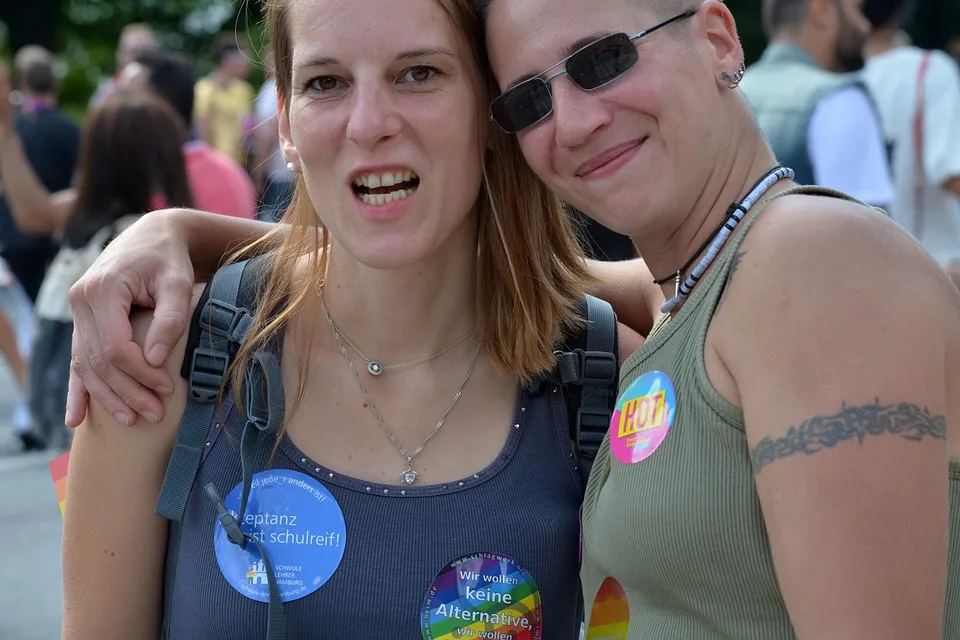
x: 130, y: 163
x: 420, y: 483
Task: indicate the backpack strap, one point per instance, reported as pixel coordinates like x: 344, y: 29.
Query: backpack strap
x: 218, y: 327
x: 590, y: 361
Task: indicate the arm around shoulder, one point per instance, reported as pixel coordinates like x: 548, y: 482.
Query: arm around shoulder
x: 845, y: 400
x: 113, y: 544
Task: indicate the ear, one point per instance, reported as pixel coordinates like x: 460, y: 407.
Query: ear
x: 287, y: 146
x: 823, y: 13
x: 719, y: 30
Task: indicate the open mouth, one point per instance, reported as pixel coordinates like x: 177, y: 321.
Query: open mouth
x: 384, y: 188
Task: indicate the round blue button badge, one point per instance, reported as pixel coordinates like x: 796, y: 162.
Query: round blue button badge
x: 298, y: 522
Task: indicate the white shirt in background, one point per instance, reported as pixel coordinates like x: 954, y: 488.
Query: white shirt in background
x: 892, y: 80
x: 265, y: 113
x: 847, y: 148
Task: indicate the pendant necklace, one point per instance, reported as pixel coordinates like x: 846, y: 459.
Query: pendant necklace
x: 409, y: 475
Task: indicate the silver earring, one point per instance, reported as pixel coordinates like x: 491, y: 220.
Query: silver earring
x: 734, y: 81
x: 292, y: 167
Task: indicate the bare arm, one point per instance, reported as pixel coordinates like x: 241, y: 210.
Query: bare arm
x: 113, y: 544
x: 152, y: 264
x: 628, y: 286
x: 845, y: 401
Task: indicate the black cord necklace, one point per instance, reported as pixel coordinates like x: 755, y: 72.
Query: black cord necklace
x: 703, y: 247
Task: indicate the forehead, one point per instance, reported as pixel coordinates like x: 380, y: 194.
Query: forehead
x: 340, y: 28
x: 527, y: 36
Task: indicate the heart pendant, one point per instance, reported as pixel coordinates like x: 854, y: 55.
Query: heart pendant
x: 410, y: 476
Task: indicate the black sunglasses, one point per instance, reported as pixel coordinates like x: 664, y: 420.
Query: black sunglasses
x: 592, y: 67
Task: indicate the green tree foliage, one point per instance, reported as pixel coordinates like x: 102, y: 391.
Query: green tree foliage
x: 85, y: 32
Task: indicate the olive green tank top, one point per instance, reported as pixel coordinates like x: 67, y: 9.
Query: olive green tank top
x: 681, y: 531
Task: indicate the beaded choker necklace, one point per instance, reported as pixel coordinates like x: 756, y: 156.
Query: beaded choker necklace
x: 718, y: 238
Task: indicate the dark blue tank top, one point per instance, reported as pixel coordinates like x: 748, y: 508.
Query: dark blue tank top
x: 523, y: 510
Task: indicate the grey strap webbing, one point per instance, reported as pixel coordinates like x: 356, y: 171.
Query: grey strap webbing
x: 222, y: 328
x: 595, y: 369
x: 264, y: 403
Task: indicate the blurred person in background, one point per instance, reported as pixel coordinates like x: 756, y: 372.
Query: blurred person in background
x: 917, y: 93
x: 273, y: 179
x: 131, y: 162
x: 135, y: 39
x: 45, y: 144
x: 813, y: 109
x: 224, y: 100
x: 218, y: 184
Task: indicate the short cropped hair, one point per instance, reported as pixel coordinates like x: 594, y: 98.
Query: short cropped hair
x: 780, y: 15
x: 34, y: 66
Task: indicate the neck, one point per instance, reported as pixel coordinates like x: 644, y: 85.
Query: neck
x: 822, y: 55
x: 882, y: 41
x: 396, y: 315
x: 745, y: 160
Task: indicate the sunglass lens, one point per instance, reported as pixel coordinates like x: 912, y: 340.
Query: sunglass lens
x: 602, y: 62
x: 522, y: 106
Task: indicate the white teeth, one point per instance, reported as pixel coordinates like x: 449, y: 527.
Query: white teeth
x: 372, y: 181
x: 380, y: 199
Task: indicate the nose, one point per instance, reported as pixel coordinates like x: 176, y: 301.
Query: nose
x: 577, y: 114
x: 373, y: 116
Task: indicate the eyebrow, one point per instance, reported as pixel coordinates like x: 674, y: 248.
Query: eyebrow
x: 565, y: 53
x: 406, y: 55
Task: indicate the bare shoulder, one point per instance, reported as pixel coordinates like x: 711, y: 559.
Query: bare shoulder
x: 113, y: 483
x: 838, y: 253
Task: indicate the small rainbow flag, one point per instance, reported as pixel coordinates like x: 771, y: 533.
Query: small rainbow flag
x: 58, y: 470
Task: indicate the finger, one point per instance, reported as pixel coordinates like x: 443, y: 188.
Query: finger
x: 77, y: 399
x: 101, y: 393
x: 111, y: 352
x: 173, y: 295
x: 116, y: 391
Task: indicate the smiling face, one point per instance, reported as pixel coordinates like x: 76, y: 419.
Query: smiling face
x: 631, y: 147
x: 382, y: 118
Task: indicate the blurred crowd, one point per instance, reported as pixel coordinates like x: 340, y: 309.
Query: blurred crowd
x: 851, y: 106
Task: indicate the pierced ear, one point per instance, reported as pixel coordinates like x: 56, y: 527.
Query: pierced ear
x: 720, y: 30
x: 287, y: 146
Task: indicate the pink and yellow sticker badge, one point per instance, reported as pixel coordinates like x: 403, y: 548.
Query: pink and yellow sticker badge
x: 58, y: 471
x: 643, y: 417
x: 610, y: 614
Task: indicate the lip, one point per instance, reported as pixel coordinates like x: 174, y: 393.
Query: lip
x: 610, y: 161
x: 382, y: 212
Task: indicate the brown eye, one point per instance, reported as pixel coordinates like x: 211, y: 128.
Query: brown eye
x: 324, y: 83
x: 419, y: 75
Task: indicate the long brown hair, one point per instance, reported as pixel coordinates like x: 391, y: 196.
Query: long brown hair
x: 131, y: 160
x: 530, y: 264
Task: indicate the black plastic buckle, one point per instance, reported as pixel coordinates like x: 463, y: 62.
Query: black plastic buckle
x: 205, y: 381
x: 597, y: 368
x: 216, y: 309
x: 591, y: 432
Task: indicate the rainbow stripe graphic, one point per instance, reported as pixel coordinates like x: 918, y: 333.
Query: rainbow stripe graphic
x: 610, y: 615
x: 58, y: 471
x: 483, y: 596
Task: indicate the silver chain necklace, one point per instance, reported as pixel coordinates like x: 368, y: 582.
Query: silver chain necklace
x: 409, y: 475
x: 375, y: 367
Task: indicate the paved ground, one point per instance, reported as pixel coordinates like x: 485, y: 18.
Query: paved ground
x: 30, y: 535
